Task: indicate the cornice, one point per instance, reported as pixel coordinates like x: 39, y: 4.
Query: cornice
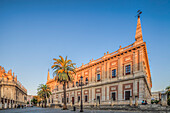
x: 118, y: 53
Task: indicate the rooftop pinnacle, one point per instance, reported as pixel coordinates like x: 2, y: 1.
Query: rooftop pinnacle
x: 48, y: 76
x: 138, y: 35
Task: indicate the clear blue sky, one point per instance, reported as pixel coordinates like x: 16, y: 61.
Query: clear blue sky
x: 33, y: 32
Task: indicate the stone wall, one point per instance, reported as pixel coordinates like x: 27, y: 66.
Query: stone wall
x: 11, y: 94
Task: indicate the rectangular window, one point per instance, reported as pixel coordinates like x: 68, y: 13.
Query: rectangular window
x: 113, y: 73
x: 77, y: 83
x: 127, y: 95
x: 98, y: 77
x: 67, y: 100
x: 86, y: 98
x: 62, y: 100
x: 78, y: 98
x: 113, y: 96
x: 127, y: 69
x: 86, y: 80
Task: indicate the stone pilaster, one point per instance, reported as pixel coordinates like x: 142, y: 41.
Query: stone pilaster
x: 90, y: 75
x: 136, y: 101
x: 130, y: 102
x: 76, y: 97
x: 120, y: 67
x: 120, y: 91
x: 103, y: 71
x: 93, y: 95
x: 135, y: 88
x: 108, y: 67
x: 82, y: 73
x: 141, y: 89
x: 90, y: 95
x: 135, y: 61
x: 107, y: 92
x: 103, y: 93
x: 141, y: 60
x: 93, y: 74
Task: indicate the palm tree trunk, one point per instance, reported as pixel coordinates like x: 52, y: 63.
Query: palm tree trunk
x: 42, y: 104
x: 64, y: 87
x: 45, y: 101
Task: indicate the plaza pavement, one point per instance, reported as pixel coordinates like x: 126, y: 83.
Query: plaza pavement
x: 52, y: 110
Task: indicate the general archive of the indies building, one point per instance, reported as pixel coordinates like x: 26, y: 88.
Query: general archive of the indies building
x: 114, y: 78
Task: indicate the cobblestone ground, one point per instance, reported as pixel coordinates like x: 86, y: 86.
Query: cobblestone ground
x: 51, y: 110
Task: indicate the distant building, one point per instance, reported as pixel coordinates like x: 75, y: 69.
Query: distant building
x: 156, y: 95
x: 11, y: 90
x: 113, y: 78
x: 163, y: 98
x: 29, y: 98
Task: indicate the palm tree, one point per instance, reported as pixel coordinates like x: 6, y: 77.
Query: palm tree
x: 63, y: 72
x: 44, y: 92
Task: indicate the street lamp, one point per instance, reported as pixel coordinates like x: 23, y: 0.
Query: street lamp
x: 81, y: 107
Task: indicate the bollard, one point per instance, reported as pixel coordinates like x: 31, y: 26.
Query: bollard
x: 74, y: 108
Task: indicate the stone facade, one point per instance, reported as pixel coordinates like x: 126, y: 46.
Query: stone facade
x: 12, y: 92
x: 115, y: 78
x: 156, y: 95
x: 29, y: 98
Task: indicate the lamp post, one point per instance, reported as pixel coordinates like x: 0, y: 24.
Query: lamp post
x: 81, y: 107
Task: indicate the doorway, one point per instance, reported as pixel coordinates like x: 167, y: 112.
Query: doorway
x: 113, y: 96
x: 73, y: 100
x: 98, y: 99
x: 127, y: 95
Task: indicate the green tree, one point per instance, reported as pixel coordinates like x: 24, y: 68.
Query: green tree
x: 28, y: 102
x: 34, y: 101
x: 44, y: 92
x: 63, y: 72
x: 168, y: 91
x: 168, y: 94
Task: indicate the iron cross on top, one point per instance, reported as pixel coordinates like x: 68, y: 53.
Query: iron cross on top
x: 139, y: 13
